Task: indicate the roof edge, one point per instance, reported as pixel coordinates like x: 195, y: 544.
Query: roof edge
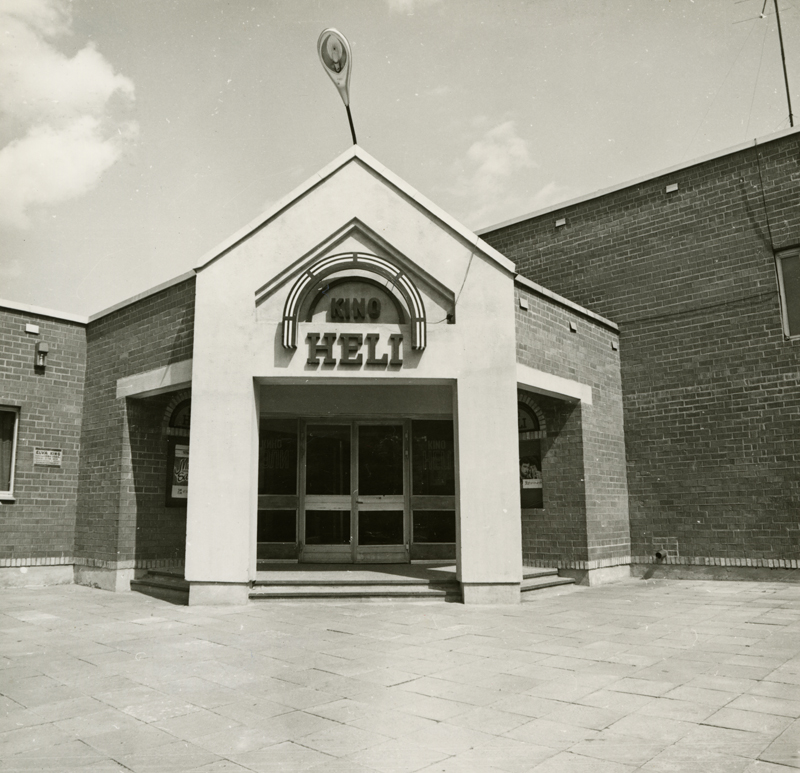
x: 560, y: 299
x: 140, y: 296
x: 357, y: 153
x: 40, y: 311
x: 639, y: 180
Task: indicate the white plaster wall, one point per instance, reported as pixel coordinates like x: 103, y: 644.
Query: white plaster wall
x: 234, y: 344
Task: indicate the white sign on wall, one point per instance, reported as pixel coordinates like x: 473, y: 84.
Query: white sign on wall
x: 47, y: 457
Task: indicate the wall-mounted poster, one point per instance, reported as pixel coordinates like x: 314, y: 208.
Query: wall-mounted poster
x: 530, y: 459
x: 178, y: 472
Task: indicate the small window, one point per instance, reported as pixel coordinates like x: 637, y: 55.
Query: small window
x: 788, y: 264
x: 8, y: 450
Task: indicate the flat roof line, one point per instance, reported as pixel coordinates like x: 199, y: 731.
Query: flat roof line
x: 560, y: 299
x: 40, y: 311
x: 638, y: 180
x: 146, y: 293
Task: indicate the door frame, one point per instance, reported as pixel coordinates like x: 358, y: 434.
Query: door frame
x: 354, y: 553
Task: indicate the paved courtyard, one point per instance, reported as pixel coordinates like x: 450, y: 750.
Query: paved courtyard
x: 637, y: 676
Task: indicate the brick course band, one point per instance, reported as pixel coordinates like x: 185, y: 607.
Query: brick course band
x: 148, y: 563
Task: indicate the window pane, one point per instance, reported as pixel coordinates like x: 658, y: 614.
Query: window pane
x: 277, y: 456
x: 327, y: 527
x: 530, y: 474
x: 7, y: 421
x: 433, y: 460
x: 434, y: 526
x: 328, y: 460
x: 277, y: 526
x: 790, y: 268
x: 380, y: 527
x: 380, y: 460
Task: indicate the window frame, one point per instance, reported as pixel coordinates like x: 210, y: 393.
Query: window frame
x: 791, y: 252
x: 8, y: 495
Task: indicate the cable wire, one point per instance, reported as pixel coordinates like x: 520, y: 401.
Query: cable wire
x: 755, y: 85
x: 703, y: 120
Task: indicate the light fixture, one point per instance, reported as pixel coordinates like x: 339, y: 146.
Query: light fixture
x: 42, y: 350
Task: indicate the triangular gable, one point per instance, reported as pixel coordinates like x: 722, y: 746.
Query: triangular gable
x: 355, y: 154
x: 356, y: 249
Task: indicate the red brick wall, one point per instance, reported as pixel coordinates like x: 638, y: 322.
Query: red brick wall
x: 119, y: 500
x: 711, y: 398
x: 585, y: 515
x: 40, y: 523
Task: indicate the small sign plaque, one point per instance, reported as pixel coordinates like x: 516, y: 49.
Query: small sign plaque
x: 47, y: 457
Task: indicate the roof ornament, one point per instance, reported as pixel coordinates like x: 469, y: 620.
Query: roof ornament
x: 337, y: 60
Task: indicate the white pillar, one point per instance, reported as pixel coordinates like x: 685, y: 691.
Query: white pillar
x: 490, y: 537
x: 223, y: 495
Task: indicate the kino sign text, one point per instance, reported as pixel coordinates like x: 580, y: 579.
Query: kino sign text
x: 354, y: 348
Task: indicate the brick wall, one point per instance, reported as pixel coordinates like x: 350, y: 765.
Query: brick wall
x: 584, y: 523
x: 39, y: 525
x: 711, y: 397
x: 120, y: 504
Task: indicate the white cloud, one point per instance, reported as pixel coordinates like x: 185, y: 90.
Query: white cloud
x: 408, y: 6
x: 50, y: 165
x: 57, y: 107
x: 496, y: 176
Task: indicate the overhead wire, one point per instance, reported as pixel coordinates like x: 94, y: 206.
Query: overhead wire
x: 727, y: 75
x: 758, y: 74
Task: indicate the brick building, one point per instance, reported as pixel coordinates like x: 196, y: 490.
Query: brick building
x: 341, y: 378
x: 698, y: 266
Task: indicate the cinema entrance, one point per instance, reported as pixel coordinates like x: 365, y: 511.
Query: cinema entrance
x: 356, y: 490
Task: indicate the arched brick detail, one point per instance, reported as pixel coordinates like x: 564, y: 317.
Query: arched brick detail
x: 524, y: 397
x: 177, y: 399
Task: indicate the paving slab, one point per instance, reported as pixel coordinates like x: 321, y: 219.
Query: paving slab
x: 647, y: 676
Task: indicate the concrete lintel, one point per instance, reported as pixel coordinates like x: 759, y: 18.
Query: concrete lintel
x: 553, y: 386
x: 170, y: 378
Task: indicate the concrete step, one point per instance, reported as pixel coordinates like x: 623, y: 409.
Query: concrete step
x: 410, y: 588
x: 164, y: 585
x: 534, y: 579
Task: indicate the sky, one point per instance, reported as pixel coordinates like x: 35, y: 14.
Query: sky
x: 136, y: 135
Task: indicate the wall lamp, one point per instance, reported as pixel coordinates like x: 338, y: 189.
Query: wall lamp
x: 42, y: 350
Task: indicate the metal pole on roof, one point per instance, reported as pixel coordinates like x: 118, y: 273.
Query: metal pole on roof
x: 783, y: 60
x: 337, y: 60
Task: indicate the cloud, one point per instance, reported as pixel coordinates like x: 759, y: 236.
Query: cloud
x: 50, y: 165
x: 496, y: 176
x: 59, y: 109
x: 408, y: 6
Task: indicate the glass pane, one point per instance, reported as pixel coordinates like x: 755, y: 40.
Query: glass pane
x: 380, y: 460
x: 327, y: 527
x: 526, y: 418
x: 380, y: 527
x: 433, y: 459
x: 434, y: 526
x: 277, y: 456
x: 328, y: 459
x: 790, y: 267
x: 530, y: 474
x: 277, y: 526
x: 182, y: 415
x: 7, y: 421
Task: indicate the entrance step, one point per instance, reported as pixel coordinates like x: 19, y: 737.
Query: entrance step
x: 305, y: 581
x: 164, y: 584
x: 356, y: 582
x: 538, y: 579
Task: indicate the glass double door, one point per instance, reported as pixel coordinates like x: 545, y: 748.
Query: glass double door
x: 354, y: 485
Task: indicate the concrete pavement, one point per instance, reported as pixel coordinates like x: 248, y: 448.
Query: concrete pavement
x: 637, y: 676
